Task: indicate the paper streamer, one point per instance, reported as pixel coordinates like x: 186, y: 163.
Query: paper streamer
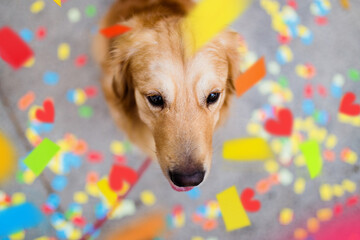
x: 311, y: 152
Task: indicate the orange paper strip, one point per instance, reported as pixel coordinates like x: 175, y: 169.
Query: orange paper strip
x: 248, y: 79
x: 114, y: 31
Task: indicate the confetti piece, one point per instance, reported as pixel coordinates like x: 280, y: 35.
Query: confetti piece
x: 326, y: 192
x: 10, y: 221
x: 349, y: 185
x: 85, y: 111
x: 348, y: 105
x: 114, y: 31
x: 194, y: 193
x: 81, y: 60
x: 119, y: 174
x: 286, y: 216
x: 41, y: 33
x: 247, y: 149
x: 48, y: 114
x: 324, y: 214
x: 300, y: 234
x: 26, y: 100
x: 13, y: 49
x: 250, y: 204
x: 299, y: 186
x: 80, y: 197
x: 233, y: 212
x: 148, y: 198
x: 8, y: 158
x: 41, y: 156
x: 345, y: 4
x: 108, y: 193
x: 74, y: 15
x: 252, y: 76
x: 208, y: 18
x: 90, y: 11
x: 63, y: 51
x: 58, y: 2
x: 51, y: 78
x: 311, y: 152
x: 59, y: 183
x: 281, y: 127
x: 117, y: 147
x: 94, y: 157
x: 37, y: 6
x: 27, y: 35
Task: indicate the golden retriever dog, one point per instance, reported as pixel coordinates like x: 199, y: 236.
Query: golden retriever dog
x: 168, y: 103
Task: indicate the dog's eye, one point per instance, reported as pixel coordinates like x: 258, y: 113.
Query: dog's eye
x: 156, y: 100
x: 212, y: 98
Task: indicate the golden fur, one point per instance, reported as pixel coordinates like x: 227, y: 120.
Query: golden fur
x: 151, y: 59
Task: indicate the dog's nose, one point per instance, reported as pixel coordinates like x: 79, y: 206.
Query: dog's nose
x: 186, y: 180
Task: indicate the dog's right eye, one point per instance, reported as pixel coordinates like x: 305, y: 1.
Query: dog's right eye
x: 156, y: 100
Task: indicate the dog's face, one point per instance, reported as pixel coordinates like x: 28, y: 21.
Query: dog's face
x: 180, y: 99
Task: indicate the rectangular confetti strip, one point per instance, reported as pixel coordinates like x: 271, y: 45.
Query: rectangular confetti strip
x: 232, y: 210
x: 209, y: 17
x: 311, y: 152
x: 108, y: 193
x: 37, y: 160
x: 248, y: 79
x: 247, y: 149
x: 114, y: 31
x: 17, y: 218
x: 13, y: 49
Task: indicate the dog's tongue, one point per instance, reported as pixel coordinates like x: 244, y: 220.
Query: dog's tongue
x: 180, y: 189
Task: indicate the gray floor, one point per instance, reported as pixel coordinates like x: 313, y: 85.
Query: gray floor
x: 335, y: 50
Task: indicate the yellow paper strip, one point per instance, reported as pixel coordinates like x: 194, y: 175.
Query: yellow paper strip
x: 209, y: 17
x: 247, y: 149
x: 232, y: 210
x: 58, y: 2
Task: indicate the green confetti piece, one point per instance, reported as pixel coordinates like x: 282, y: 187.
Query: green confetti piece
x: 37, y: 160
x: 283, y: 82
x: 20, y: 176
x: 354, y: 75
x: 85, y: 111
x: 311, y: 152
x: 90, y: 11
x: 127, y: 146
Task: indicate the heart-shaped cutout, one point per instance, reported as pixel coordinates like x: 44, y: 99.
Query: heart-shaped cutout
x: 283, y: 125
x: 48, y: 114
x: 119, y: 174
x: 250, y: 204
x: 348, y: 106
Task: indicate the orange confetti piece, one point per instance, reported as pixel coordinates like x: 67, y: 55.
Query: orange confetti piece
x: 248, y: 79
x: 114, y: 31
x: 26, y: 100
x: 345, y: 4
x: 263, y: 186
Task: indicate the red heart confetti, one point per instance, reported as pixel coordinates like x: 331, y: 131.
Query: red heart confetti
x: 282, y: 126
x: 347, y: 105
x: 119, y: 174
x: 250, y: 204
x: 48, y: 114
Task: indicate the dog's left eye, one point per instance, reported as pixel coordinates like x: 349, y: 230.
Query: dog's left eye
x: 212, y: 98
x: 156, y: 100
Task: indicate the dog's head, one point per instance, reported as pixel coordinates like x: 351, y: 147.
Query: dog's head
x: 180, y: 99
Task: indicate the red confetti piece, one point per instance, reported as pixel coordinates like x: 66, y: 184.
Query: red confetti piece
x: 351, y: 201
x: 121, y: 160
x: 41, y: 33
x: 281, y: 126
x: 178, y: 209
x: 48, y: 114
x: 348, y: 106
x: 94, y: 157
x: 292, y: 3
x: 322, y: 90
x: 329, y: 155
x: 209, y: 225
x: 338, y: 209
x: 47, y: 210
x: 196, y: 218
x: 13, y: 49
x: 92, y: 177
x: 321, y: 20
x: 91, y: 91
x: 79, y: 221
x: 81, y: 60
x: 308, y: 91
x: 119, y: 174
x: 284, y: 39
x: 114, y: 31
x: 250, y: 204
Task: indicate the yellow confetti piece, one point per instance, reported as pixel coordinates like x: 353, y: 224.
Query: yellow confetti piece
x: 18, y: 198
x: 247, y: 149
x: 208, y: 18
x: 276, y: 146
x: 300, y: 234
x: 148, y: 198
x: 80, y: 97
x: 8, y: 158
x: 29, y: 176
x: 331, y: 141
x: 338, y: 191
x: 313, y: 225
x: 63, y: 51
x: 324, y: 214
x: 18, y: 235
x: 349, y: 185
x: 197, y: 238
x: 58, y: 2
x: 326, y: 193
x: 106, y: 191
x: 300, y: 161
x: 37, y: 6
x: 232, y: 210
x: 117, y: 148
x: 286, y: 216
x: 81, y: 197
x: 75, y: 234
x: 253, y: 128
x: 92, y: 190
x: 271, y: 166
x: 29, y: 63
x: 299, y: 185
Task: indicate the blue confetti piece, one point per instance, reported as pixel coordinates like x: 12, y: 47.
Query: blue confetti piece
x: 70, y: 95
x: 194, y: 193
x: 308, y: 106
x: 308, y: 38
x: 336, y: 91
x: 57, y: 217
x: 88, y: 228
x: 51, y: 78
x: 19, y: 217
x: 201, y: 210
x: 72, y: 160
x: 61, y: 234
x: 40, y: 128
x: 53, y: 200
x: 100, y: 210
x: 59, y: 183
x: 27, y: 35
